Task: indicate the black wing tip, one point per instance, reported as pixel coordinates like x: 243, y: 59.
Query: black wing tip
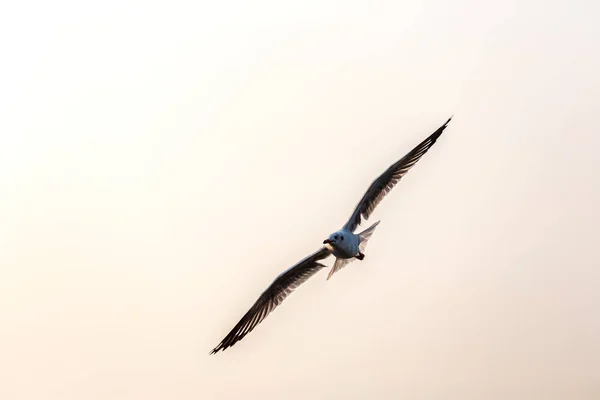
x: 446, y: 123
x: 435, y: 135
x: 221, y: 347
x: 229, y: 341
x: 216, y: 349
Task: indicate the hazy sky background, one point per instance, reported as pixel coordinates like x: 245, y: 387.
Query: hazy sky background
x: 162, y: 162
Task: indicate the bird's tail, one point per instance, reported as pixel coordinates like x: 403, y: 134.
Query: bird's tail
x: 366, y: 235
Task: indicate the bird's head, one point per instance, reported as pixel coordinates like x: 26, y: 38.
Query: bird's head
x: 334, y: 238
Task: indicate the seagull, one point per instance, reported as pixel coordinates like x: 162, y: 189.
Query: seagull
x: 344, y: 244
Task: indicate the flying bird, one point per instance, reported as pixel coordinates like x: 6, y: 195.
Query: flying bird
x: 344, y: 244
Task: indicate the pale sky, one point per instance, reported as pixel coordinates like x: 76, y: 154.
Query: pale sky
x: 162, y: 162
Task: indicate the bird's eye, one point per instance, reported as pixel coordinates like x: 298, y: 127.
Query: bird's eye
x: 342, y: 238
x: 335, y: 237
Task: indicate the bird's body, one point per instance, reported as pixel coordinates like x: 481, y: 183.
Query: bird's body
x: 344, y: 244
x: 347, y: 246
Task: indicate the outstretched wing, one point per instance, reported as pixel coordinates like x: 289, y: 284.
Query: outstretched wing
x: 386, y: 181
x: 281, y: 287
